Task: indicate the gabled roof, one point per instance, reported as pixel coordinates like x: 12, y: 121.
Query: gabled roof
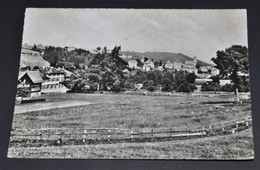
x: 20, y: 75
x: 34, y: 76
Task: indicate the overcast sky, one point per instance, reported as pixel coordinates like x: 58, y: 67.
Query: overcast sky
x: 191, y: 32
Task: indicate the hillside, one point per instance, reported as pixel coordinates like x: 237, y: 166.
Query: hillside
x: 33, y: 61
x: 164, y: 56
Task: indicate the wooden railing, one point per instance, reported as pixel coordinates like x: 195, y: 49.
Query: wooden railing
x: 76, y: 136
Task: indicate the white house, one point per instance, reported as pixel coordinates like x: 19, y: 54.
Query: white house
x: 223, y: 82
x: 169, y: 65
x: 177, y: 65
x: 132, y: 64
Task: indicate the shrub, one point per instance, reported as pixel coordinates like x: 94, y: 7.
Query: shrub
x: 210, y: 87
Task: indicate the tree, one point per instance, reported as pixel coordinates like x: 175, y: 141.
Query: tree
x: 232, y: 62
x: 149, y: 85
x: 191, y: 77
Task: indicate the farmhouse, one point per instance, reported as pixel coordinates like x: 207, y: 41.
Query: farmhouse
x: 31, y: 80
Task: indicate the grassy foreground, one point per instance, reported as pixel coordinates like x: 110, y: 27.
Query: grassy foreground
x: 140, y: 112
x: 234, y: 146
x: 132, y: 111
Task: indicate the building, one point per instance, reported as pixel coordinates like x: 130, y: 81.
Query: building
x: 53, y: 80
x: 159, y: 68
x: 200, y: 81
x: 27, y: 52
x: 215, y: 71
x: 191, y: 62
x: 203, y: 69
x: 31, y: 80
x: 223, y: 82
x: 177, y: 65
x: 148, y: 65
x: 169, y: 65
x: 132, y: 64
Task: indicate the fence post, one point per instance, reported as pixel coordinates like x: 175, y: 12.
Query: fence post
x: 223, y: 128
x: 210, y: 128
x: 60, y: 138
x: 40, y: 136
x: 152, y: 134
x: 237, y: 95
x: 247, y: 122
x: 84, y: 136
x: 109, y: 136
x: 203, y: 130
x: 132, y: 136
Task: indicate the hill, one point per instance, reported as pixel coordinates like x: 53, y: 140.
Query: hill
x: 164, y: 56
x: 33, y: 61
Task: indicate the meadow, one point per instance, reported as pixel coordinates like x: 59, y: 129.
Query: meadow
x: 132, y: 111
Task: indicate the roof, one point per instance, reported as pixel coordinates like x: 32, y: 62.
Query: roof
x: 34, y: 76
x: 67, y: 72
x: 20, y: 75
x: 29, y: 51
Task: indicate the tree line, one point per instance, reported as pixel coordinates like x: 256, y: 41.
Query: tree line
x: 107, y: 71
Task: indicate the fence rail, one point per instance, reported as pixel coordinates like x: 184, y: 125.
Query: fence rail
x: 67, y: 136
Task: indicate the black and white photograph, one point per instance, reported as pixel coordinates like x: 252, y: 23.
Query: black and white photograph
x: 133, y: 84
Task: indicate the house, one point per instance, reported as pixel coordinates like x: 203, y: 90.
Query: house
x: 223, y: 82
x: 192, y: 70
x: 191, y: 62
x: 159, y: 68
x: 203, y: 69
x: 148, y: 65
x: 132, y: 64
x: 53, y: 80
x: 214, y: 71
x: 200, y: 81
x: 169, y: 65
x: 139, y: 86
x: 27, y: 52
x: 31, y: 80
x: 70, y: 49
x: 177, y: 65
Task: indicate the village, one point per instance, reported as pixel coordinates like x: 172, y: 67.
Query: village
x: 37, y: 77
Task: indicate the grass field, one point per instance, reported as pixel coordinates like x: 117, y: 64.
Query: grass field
x: 140, y: 112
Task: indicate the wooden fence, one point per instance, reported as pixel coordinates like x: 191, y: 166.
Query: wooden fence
x: 76, y: 136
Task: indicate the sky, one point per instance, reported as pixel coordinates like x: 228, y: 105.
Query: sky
x: 197, y: 33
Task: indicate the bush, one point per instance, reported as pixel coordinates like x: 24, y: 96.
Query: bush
x: 210, y: 87
x: 228, y: 88
x: 23, y: 92
x: 186, y: 87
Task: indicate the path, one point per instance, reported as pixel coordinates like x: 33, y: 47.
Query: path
x: 23, y: 108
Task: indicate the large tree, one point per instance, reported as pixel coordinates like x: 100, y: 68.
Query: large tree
x: 232, y: 63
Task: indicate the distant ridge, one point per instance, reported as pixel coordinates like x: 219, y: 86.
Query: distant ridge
x: 164, y: 56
